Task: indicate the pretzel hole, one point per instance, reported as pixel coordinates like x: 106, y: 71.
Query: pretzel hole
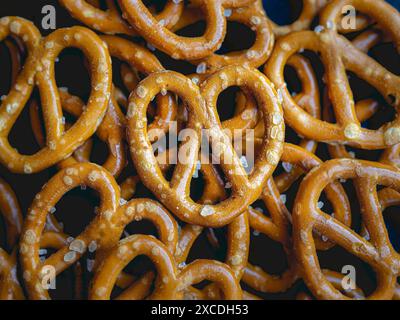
x: 392, y: 222
x: 197, y: 186
x: 293, y: 81
x: 283, y: 12
x: 140, y: 227
x: 136, y: 268
x: 75, y: 221
x: 337, y: 258
x: 288, y: 196
x: 66, y: 79
x: 204, y: 247
x: 170, y: 63
x: 387, y: 55
x: 99, y: 152
x: 235, y: 31
x: 363, y: 90
x: 196, y: 29
x: 21, y: 135
x: 100, y: 4
x: 9, y: 49
x: 260, y: 206
x: 226, y: 103
x: 291, y: 136
x: 273, y: 259
x: 155, y: 6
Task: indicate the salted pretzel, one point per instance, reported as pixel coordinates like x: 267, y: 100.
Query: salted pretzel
x: 169, y: 282
x: 203, y: 114
x: 178, y: 47
x: 337, y: 54
x: 253, y: 16
x: 103, y: 232
x: 377, y: 252
x: 39, y: 68
x: 237, y: 241
x: 111, y: 131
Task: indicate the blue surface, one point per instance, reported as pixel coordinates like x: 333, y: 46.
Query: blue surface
x: 279, y: 11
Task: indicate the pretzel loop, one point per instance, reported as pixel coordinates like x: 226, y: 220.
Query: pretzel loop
x: 40, y: 66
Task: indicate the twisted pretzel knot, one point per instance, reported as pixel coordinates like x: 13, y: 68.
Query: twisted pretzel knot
x: 39, y: 67
x: 339, y: 55
x: 104, y: 231
x: 170, y: 282
x: 202, y: 114
x: 377, y: 252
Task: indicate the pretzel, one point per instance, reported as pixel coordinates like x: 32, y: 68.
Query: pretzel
x: 252, y: 16
x: 202, y: 114
x: 39, y: 67
x: 178, y: 47
x: 170, y: 283
x: 378, y: 253
x: 103, y: 232
x: 278, y: 226
x: 337, y: 53
x: 111, y: 131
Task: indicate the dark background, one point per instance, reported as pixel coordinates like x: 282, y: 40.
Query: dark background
x: 76, y: 208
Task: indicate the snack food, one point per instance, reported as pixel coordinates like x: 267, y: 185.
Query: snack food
x: 216, y: 155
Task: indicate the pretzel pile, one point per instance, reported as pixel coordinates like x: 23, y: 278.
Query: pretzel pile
x: 297, y: 133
